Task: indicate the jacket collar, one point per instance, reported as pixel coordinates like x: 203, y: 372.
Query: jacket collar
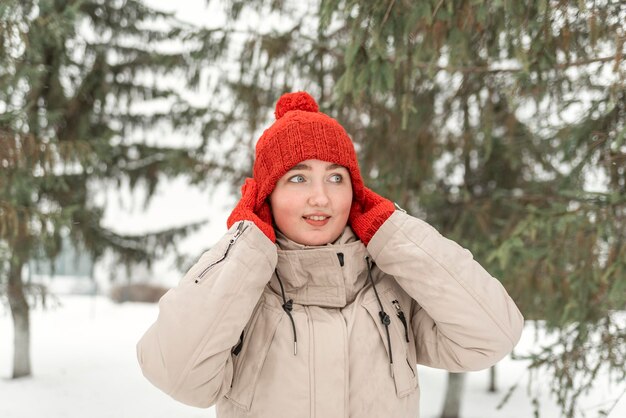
x: 313, y: 275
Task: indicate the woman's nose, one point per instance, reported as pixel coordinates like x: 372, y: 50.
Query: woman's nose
x: 319, y: 195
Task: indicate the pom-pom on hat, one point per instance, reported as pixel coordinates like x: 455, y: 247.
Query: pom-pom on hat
x: 301, y: 132
x: 295, y: 101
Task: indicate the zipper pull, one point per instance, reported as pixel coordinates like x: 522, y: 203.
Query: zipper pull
x: 396, y: 305
x: 400, y: 314
x: 399, y: 208
x: 238, y: 233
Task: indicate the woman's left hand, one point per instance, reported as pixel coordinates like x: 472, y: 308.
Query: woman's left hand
x: 367, y: 215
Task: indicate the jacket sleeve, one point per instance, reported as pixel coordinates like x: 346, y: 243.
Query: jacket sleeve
x: 187, y: 351
x: 462, y: 318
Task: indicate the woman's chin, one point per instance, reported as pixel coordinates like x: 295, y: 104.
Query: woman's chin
x: 317, y: 238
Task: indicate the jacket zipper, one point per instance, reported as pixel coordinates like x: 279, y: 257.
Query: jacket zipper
x: 238, y: 232
x: 400, y: 314
x: 409, y: 363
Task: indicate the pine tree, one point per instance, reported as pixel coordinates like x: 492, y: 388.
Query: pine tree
x: 79, y: 80
x: 488, y: 118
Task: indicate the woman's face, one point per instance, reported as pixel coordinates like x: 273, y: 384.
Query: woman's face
x: 313, y: 188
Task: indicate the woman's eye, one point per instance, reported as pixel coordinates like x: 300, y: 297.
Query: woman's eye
x: 336, y: 178
x: 299, y: 178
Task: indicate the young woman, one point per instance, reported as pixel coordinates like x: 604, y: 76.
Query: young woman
x: 322, y: 296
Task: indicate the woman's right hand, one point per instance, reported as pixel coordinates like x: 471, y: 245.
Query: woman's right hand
x: 248, y: 209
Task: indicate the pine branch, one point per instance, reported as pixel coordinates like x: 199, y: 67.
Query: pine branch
x: 491, y: 70
x: 134, y: 249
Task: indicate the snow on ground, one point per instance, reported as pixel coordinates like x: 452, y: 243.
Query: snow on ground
x: 84, y: 364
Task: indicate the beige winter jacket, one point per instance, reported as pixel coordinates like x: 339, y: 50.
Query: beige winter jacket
x: 326, y: 354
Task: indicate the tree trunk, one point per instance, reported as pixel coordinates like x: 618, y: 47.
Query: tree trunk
x: 21, y: 321
x: 452, y: 402
x: 492, y: 379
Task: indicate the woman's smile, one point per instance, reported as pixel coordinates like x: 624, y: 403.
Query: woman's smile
x: 317, y: 219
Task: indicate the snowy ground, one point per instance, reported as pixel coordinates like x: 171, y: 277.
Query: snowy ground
x: 84, y: 364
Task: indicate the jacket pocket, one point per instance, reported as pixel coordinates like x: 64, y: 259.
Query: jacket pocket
x: 403, y: 352
x: 249, y: 362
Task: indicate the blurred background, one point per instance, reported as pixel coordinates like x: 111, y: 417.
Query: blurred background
x: 128, y: 126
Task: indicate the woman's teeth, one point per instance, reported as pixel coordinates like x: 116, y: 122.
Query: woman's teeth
x: 317, y: 218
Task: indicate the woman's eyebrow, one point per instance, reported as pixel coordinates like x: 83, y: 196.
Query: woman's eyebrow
x: 300, y: 167
x: 308, y: 167
x: 334, y: 167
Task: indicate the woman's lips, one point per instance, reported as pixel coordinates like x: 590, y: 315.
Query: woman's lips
x: 317, y: 223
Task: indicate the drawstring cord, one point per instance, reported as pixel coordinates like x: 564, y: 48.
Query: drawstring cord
x: 288, y: 306
x: 384, y: 318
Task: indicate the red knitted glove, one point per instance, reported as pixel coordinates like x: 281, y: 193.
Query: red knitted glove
x: 367, y: 215
x: 250, y: 210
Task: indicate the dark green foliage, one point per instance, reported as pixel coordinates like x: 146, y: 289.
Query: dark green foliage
x: 81, y: 82
x: 72, y: 75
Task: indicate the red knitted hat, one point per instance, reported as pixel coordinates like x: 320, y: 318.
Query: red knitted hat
x: 301, y: 132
